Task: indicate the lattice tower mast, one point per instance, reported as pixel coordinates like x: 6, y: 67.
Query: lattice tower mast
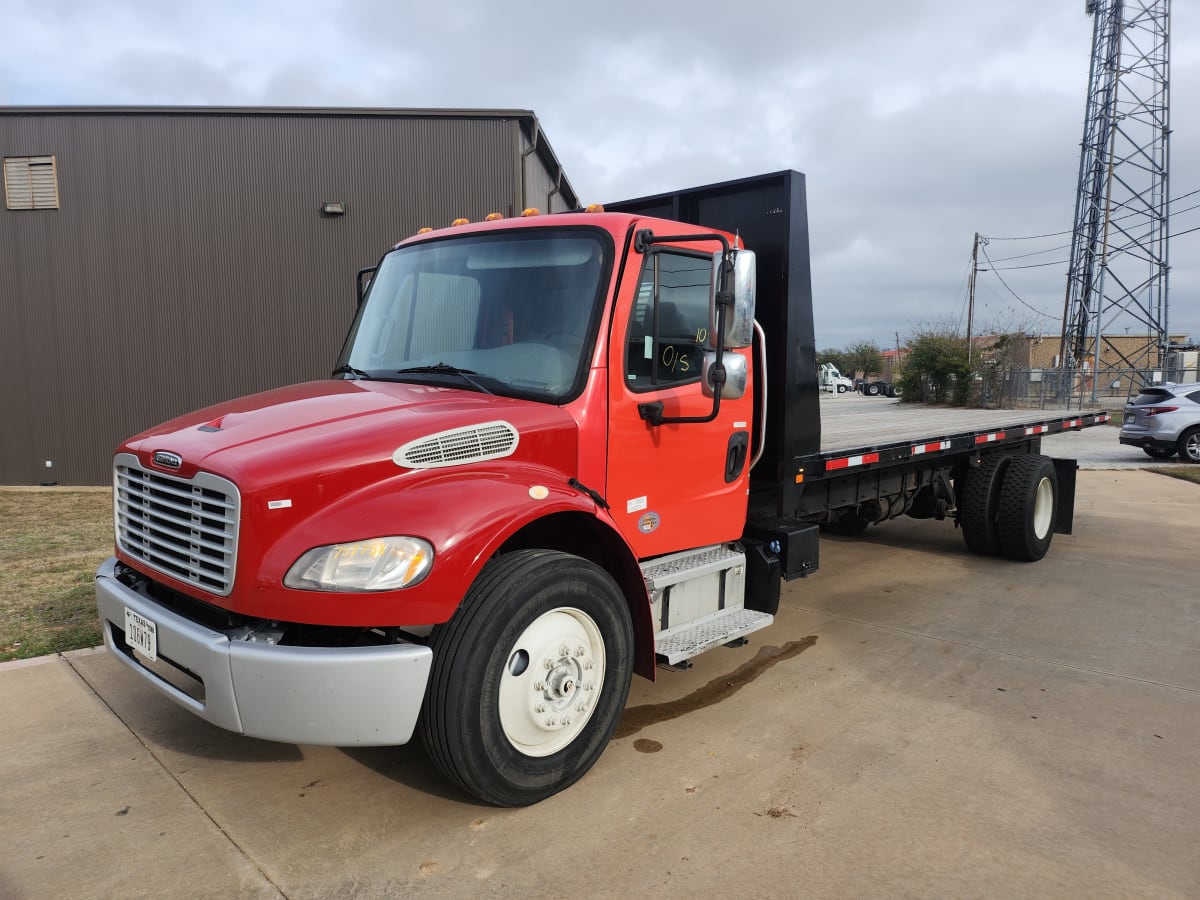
x: 1117, y: 280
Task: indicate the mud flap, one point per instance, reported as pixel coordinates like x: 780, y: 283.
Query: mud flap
x: 1064, y: 519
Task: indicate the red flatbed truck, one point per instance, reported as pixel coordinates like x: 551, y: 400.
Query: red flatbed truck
x: 555, y: 451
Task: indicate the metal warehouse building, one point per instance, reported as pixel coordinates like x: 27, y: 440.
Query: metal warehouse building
x: 156, y: 260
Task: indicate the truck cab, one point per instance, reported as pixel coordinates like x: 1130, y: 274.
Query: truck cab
x: 525, y: 480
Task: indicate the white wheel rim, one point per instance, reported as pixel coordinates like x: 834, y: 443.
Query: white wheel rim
x: 1043, y: 508
x: 551, y: 681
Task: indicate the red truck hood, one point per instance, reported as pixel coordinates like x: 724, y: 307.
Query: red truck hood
x: 331, y: 429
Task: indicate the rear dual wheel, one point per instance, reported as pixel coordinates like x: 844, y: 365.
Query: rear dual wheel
x: 1008, y: 506
x: 529, y: 677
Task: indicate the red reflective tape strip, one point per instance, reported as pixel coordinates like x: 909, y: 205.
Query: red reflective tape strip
x: 988, y: 438
x: 845, y: 462
x: 1037, y: 429
x: 930, y: 448
x: 1072, y: 423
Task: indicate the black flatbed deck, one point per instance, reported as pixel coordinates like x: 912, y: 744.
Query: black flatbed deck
x: 858, y: 431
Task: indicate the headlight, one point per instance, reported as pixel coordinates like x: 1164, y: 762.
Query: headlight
x: 378, y: 564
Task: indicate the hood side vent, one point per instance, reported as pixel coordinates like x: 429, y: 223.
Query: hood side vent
x: 458, y: 446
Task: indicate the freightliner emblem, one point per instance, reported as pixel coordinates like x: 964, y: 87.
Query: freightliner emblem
x: 167, y: 459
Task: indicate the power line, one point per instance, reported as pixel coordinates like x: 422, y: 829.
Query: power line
x: 1019, y: 299
x: 1034, y: 253
x: 1032, y: 237
x: 1057, y: 262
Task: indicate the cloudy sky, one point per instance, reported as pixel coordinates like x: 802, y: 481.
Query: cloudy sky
x: 917, y: 123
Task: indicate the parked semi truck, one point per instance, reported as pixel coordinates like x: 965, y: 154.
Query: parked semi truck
x: 556, y: 451
x: 830, y: 379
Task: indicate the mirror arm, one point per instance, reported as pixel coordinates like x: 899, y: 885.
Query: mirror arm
x: 358, y: 282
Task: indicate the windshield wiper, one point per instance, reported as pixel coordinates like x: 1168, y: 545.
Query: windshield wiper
x: 443, y: 369
x: 350, y: 370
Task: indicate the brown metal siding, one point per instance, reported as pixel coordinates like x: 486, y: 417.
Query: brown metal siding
x: 540, y: 184
x: 189, y: 262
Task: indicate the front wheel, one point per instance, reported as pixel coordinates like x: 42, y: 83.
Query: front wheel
x: 841, y: 389
x: 529, y: 677
x: 871, y: 390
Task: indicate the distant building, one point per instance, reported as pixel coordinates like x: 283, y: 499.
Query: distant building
x: 156, y: 260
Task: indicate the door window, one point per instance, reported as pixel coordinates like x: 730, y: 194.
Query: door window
x: 668, y: 329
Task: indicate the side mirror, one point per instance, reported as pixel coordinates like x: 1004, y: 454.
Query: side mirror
x: 739, y: 317
x: 736, y: 375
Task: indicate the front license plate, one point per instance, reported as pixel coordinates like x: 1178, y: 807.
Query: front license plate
x: 141, y: 634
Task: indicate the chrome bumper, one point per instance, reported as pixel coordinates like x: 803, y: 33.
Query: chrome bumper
x: 337, y: 696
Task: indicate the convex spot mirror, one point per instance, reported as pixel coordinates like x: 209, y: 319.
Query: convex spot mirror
x: 736, y: 375
x: 739, y: 318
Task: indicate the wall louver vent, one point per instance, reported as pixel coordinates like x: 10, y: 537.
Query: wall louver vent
x: 30, y: 182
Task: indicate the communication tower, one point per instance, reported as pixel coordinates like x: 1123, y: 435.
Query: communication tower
x: 1115, y: 312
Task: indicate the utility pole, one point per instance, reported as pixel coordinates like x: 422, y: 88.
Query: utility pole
x: 971, y: 297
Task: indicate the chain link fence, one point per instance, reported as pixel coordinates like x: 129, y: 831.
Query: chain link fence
x: 1059, y: 388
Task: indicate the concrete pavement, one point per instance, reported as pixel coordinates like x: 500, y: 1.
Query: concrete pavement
x: 918, y: 722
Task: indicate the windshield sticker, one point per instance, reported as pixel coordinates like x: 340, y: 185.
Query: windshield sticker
x: 649, y: 522
x: 637, y: 504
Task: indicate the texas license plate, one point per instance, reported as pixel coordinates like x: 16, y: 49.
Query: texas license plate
x: 141, y: 634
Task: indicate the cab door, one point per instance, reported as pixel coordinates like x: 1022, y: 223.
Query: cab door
x: 672, y: 486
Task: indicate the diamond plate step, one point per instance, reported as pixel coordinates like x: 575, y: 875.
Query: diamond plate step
x: 676, y: 567
x: 721, y: 627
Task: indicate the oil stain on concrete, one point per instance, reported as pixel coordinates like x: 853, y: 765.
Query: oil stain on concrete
x: 720, y: 688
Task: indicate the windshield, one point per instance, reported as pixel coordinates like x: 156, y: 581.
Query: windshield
x: 507, y: 313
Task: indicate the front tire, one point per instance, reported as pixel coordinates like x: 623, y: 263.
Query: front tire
x: 841, y: 389
x: 529, y: 677
x: 871, y: 390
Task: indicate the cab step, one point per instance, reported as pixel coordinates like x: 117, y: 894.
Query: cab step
x: 677, y: 644
x: 690, y: 564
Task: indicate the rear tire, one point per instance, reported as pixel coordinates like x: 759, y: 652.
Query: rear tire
x: 979, y: 504
x: 529, y: 677
x: 1028, y: 508
x: 1189, y: 445
x: 871, y: 390
x: 1160, y: 452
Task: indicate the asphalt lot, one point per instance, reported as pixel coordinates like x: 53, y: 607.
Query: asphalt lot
x: 917, y: 722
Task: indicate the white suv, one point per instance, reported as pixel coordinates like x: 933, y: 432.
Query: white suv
x: 1164, y: 420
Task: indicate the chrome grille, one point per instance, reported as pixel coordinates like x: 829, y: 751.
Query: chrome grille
x: 185, y: 528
